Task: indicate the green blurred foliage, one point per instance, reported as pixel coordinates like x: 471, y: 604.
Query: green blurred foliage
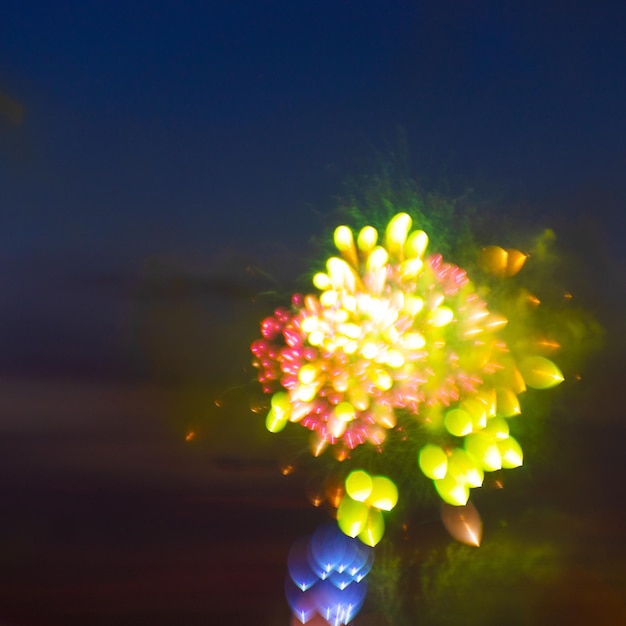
x: 495, y: 584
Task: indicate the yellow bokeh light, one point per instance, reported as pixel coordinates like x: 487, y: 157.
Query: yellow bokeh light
x: 433, y: 461
x: 359, y: 485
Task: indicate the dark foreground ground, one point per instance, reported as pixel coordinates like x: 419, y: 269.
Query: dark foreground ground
x: 110, y: 518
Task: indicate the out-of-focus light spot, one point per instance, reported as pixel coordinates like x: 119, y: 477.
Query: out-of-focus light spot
x: 493, y: 259
x: 458, y: 422
x: 352, y: 516
x: 416, y: 244
x: 340, y: 606
x: 463, y: 523
x: 497, y: 428
x: 315, y: 620
x: 441, y: 316
x: 384, y: 493
x: 507, y: 404
x: 341, y: 454
x: 318, y: 446
x: 302, y: 603
x: 298, y: 565
x: 500, y: 262
x: 396, y: 233
x: 190, y: 436
x: 484, y: 448
x: 515, y: 261
x: 548, y: 344
x: 512, y: 455
x: 334, y: 494
x: 274, y: 421
x: 540, y: 373
x: 374, y: 528
x: 452, y: 491
x: 359, y: 485
x: 326, y: 577
x: 258, y: 407
x: 315, y: 495
x: 287, y: 469
x: 366, y: 241
x: 465, y: 469
x: 433, y: 461
x: 316, y: 501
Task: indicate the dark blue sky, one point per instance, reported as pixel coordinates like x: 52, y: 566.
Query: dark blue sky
x: 201, y: 130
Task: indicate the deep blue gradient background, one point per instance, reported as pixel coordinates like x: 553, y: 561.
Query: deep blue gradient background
x: 158, y: 129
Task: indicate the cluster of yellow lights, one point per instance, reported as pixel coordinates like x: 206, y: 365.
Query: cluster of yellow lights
x: 360, y: 511
x: 356, y: 307
x: 393, y: 329
x: 377, y: 331
x: 382, y: 323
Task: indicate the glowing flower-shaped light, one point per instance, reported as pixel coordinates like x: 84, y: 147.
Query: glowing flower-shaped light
x: 393, y: 331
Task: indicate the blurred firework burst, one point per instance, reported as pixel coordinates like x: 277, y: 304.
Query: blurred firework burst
x: 397, y: 339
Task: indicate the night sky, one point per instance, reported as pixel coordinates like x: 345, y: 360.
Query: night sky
x: 164, y: 170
